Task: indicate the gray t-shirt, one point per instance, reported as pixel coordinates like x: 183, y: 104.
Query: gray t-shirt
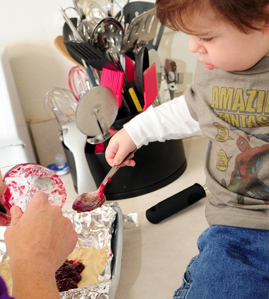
x: 232, y: 109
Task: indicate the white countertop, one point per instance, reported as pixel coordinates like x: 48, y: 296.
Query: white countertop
x: 155, y: 256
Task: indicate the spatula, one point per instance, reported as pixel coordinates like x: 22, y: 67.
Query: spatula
x: 59, y: 43
x: 150, y: 86
x: 92, y: 200
x: 91, y: 55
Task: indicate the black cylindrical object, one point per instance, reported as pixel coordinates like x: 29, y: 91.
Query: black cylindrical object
x: 175, y: 203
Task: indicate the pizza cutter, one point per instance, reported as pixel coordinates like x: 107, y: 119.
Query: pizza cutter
x: 96, y: 112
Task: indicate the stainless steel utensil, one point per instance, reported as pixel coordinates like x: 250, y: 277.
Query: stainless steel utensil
x: 62, y: 99
x: 154, y: 57
x: 61, y: 105
x: 75, y: 141
x: 92, y: 200
x: 76, y: 34
x: 131, y: 10
x: 96, y: 112
x: 109, y: 7
x: 140, y: 30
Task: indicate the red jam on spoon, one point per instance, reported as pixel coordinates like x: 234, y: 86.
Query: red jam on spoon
x: 94, y: 199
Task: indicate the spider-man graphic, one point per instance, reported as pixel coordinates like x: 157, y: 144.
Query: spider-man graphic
x: 245, y: 178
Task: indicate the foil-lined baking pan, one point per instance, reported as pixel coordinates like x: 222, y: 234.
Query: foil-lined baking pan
x: 98, y: 228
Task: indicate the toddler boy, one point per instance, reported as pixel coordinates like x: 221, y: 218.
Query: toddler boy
x: 228, y: 103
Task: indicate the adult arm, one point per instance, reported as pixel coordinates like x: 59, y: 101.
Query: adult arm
x: 38, y: 242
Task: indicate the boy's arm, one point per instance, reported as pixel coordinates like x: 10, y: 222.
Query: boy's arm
x: 171, y: 120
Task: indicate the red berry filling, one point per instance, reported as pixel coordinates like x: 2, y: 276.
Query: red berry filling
x: 68, y: 275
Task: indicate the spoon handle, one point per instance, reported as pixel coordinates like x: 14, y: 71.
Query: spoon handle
x: 114, y: 169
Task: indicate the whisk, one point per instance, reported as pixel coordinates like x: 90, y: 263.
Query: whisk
x: 60, y: 104
x: 78, y: 81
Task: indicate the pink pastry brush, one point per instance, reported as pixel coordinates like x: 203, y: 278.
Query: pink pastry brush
x: 113, y: 80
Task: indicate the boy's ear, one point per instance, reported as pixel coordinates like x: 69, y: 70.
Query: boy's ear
x: 266, y: 23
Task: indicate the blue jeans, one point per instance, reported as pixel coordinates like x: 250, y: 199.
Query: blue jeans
x: 233, y: 263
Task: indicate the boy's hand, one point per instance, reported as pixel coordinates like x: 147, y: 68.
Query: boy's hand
x: 120, y: 145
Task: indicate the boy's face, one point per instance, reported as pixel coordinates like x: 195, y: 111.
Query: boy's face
x: 220, y: 45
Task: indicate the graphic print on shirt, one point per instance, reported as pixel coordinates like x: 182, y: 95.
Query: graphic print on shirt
x: 245, y: 177
x: 243, y: 110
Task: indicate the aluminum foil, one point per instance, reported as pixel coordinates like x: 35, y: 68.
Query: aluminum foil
x: 129, y: 220
x: 95, y: 229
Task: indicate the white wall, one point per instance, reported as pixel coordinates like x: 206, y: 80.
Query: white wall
x: 28, y: 30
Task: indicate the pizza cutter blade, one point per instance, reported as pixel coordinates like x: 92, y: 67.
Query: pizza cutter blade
x: 96, y: 112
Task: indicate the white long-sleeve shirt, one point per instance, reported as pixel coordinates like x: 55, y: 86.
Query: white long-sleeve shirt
x: 171, y: 120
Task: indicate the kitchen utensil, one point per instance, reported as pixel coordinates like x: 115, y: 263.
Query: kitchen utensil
x: 105, y: 34
x: 90, y: 54
x: 130, y: 99
x: 96, y: 112
x: 141, y: 64
x: 175, y: 203
x: 59, y: 43
x: 150, y: 86
x: 61, y: 118
x: 23, y: 180
x: 134, y: 9
x: 109, y: 7
x: 74, y: 140
x: 93, y: 9
x: 113, y: 80
x: 136, y: 97
x: 164, y: 92
x: 78, y: 8
x: 75, y: 32
x: 140, y: 30
x: 67, y: 31
x: 154, y: 57
x: 92, y: 200
x: 62, y: 99
x: 129, y: 68
x: 77, y: 78
x: 91, y: 74
x: 67, y: 36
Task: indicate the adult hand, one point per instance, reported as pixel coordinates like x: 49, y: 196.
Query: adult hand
x: 119, y: 146
x: 40, y: 234
x: 38, y: 242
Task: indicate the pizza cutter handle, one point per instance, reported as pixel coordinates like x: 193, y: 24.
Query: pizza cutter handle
x: 175, y: 203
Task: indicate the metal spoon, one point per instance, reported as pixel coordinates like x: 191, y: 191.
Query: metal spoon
x: 94, y: 199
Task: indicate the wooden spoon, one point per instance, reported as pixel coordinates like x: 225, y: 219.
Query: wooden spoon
x: 59, y: 43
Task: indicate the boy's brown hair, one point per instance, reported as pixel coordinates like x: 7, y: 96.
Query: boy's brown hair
x: 242, y: 14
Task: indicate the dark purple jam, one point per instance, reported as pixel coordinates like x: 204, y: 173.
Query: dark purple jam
x: 68, y: 275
